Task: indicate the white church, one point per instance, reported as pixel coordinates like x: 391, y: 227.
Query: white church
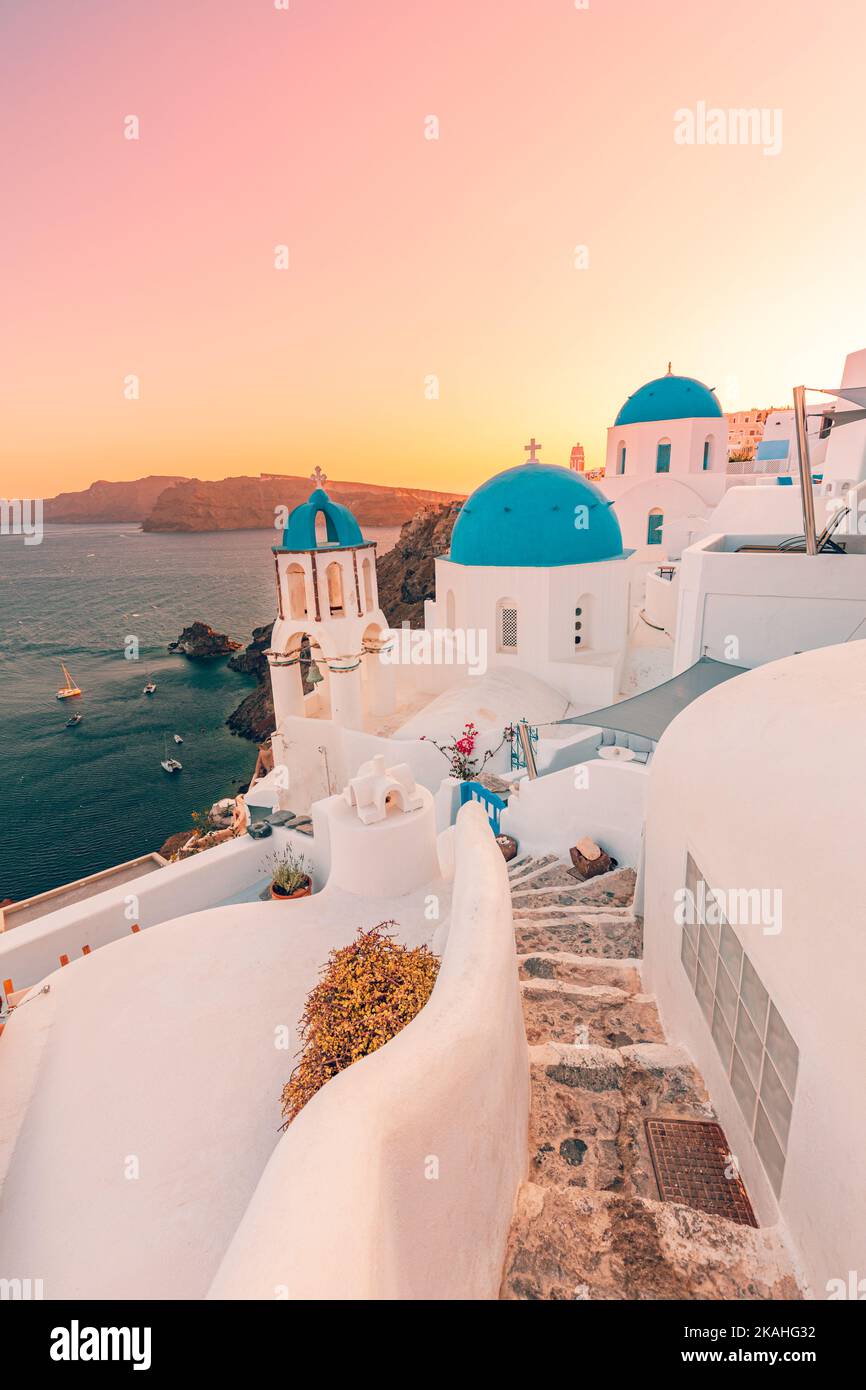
x: 658, y: 954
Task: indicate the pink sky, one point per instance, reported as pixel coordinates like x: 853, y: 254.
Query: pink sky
x: 409, y: 257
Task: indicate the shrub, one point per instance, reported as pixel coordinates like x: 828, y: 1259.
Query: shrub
x: 289, y: 871
x: 368, y: 992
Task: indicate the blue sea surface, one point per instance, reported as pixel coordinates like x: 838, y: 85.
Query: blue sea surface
x: 79, y: 800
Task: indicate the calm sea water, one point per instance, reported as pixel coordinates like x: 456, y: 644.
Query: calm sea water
x: 78, y: 800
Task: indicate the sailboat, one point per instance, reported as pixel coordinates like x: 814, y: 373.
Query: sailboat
x: 67, y: 691
x: 150, y: 688
x: 170, y: 764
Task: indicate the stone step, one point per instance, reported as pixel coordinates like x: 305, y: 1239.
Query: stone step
x: 587, y: 1109
x: 614, y: 889
x: 569, y: 1243
x: 588, y: 1013
x: 526, y: 909
x: 580, y: 970
x: 519, y: 870
x: 610, y: 939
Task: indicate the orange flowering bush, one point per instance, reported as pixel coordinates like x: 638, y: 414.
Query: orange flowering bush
x: 368, y: 992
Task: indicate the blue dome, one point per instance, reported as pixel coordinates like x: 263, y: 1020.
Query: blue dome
x: 300, y: 530
x: 528, y: 516
x: 669, y: 398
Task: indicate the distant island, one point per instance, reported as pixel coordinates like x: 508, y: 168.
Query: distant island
x: 169, y: 503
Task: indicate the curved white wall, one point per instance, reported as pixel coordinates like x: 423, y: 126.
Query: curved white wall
x: 761, y: 780
x: 398, y: 1179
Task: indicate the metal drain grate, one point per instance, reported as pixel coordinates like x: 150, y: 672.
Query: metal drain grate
x: 690, y: 1158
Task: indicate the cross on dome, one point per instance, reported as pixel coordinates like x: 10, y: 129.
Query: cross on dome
x: 318, y: 477
x: 532, y: 449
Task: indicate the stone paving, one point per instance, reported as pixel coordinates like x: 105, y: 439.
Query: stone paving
x: 588, y: 1222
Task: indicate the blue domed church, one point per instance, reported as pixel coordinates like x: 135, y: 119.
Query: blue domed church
x: 666, y: 464
x: 537, y: 565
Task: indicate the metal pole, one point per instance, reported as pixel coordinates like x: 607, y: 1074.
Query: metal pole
x: 528, y: 751
x: 805, y: 470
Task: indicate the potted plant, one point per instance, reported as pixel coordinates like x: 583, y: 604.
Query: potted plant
x: 290, y: 877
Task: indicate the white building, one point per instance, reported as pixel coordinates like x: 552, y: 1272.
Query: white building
x: 329, y: 624
x: 537, y: 565
x: 667, y: 454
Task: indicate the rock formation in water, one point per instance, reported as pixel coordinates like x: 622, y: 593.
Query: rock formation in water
x: 244, y: 504
x: 110, y: 502
x: 200, y: 642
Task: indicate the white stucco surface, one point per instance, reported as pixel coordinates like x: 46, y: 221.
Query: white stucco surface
x: 161, y: 1049
x: 761, y: 781
x: 398, y: 1178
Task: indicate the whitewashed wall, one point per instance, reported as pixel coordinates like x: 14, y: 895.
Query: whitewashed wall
x: 550, y: 814
x: 762, y: 780
x: 398, y: 1179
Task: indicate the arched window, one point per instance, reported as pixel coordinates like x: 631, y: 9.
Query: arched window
x: 620, y: 458
x: 708, y: 454
x: 334, y: 575
x: 506, y: 625
x: 655, y: 521
x: 663, y: 456
x: 322, y: 536
x: 450, y: 606
x: 297, y: 582
x: 368, y: 585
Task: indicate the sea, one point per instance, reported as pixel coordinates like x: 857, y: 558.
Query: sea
x: 77, y: 800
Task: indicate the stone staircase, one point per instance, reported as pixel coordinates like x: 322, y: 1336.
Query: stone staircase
x: 588, y: 1222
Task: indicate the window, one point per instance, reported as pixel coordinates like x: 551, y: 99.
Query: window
x: 578, y: 626
x: 663, y: 456
x: 368, y: 586
x: 655, y: 522
x: 708, y: 447
x: 335, y: 589
x: 506, y: 625
x: 582, y: 621
x: 297, y: 583
x: 620, y: 463
x: 758, y: 1053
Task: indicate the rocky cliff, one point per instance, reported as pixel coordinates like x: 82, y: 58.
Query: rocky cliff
x: 244, y: 504
x: 406, y: 574
x: 104, y: 502
x: 254, y: 716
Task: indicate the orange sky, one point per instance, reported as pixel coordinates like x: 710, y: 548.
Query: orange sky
x: 409, y: 257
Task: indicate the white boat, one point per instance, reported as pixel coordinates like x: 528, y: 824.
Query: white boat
x: 67, y: 691
x: 170, y: 764
x: 178, y: 739
x: 76, y: 719
x: 150, y: 688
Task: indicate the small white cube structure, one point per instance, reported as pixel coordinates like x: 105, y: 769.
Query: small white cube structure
x: 387, y: 857
x: 377, y: 791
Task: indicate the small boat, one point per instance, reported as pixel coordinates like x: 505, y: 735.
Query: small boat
x: 67, y: 691
x: 76, y: 719
x: 178, y: 739
x: 150, y: 688
x: 170, y: 764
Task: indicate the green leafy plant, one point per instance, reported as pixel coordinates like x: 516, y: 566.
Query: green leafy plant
x: 289, y: 871
x: 368, y: 992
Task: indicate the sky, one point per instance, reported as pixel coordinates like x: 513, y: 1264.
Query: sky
x: 435, y: 312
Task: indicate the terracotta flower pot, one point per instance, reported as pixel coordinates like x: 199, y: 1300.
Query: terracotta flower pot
x: 303, y: 892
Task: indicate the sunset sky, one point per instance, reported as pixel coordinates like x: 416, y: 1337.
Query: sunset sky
x: 409, y: 257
